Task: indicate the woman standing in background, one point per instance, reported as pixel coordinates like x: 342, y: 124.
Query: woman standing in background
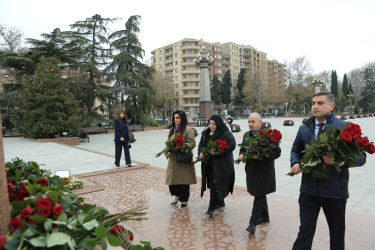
x: 122, y: 138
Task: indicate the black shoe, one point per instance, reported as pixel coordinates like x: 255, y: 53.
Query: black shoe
x: 210, y: 213
x: 174, y: 203
x: 130, y: 165
x: 263, y: 220
x: 117, y: 165
x: 183, y: 205
x: 251, y: 229
x: 219, y: 205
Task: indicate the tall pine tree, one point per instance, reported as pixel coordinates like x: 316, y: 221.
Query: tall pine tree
x: 367, y: 103
x: 334, y: 85
x: 129, y: 75
x: 240, y: 84
x: 345, y: 86
x: 215, y: 90
x: 91, y: 35
x: 226, y: 88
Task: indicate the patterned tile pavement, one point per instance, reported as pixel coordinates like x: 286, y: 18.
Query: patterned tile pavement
x: 173, y: 227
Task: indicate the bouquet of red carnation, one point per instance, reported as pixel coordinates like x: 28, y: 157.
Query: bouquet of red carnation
x: 176, y: 143
x: 342, y: 145
x: 217, y: 146
x: 260, y: 144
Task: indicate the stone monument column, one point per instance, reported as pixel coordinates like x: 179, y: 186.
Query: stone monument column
x: 205, y: 104
x: 4, y: 198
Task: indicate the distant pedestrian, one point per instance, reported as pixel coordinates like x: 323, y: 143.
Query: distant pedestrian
x: 122, y: 138
x: 179, y: 175
x: 228, y: 124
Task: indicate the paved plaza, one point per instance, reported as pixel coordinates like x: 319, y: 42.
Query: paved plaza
x: 144, y: 183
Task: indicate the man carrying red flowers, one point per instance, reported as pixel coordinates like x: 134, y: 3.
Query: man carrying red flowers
x: 328, y: 193
x: 260, y: 172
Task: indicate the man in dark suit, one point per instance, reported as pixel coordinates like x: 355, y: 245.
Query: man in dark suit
x: 260, y: 176
x: 328, y: 193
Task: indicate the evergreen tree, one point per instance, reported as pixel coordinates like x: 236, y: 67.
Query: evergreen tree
x: 345, y: 87
x: 240, y: 85
x: 226, y: 88
x: 350, y: 89
x: 334, y: 84
x: 46, y: 109
x: 91, y: 36
x: 131, y: 77
x: 215, y: 90
x: 367, y: 103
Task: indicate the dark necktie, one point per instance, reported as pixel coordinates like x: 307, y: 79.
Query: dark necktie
x: 320, y: 130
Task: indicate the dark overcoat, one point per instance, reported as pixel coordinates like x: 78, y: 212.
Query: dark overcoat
x: 260, y: 175
x: 223, y: 164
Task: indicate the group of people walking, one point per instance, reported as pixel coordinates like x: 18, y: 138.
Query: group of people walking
x: 218, y: 173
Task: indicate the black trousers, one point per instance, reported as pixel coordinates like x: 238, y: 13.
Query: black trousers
x: 214, y: 199
x: 260, y: 209
x: 182, y: 191
x: 309, y: 208
x: 119, y: 146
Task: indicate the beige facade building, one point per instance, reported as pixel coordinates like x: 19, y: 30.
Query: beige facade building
x: 178, y: 60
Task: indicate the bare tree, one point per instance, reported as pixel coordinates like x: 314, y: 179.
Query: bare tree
x: 163, y: 86
x: 254, y: 89
x: 11, y: 39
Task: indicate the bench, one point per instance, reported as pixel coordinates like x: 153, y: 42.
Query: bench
x: 94, y: 130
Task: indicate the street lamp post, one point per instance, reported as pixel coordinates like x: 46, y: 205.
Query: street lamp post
x: 317, y: 83
x: 286, y: 108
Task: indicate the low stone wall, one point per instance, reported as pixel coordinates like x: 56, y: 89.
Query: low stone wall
x: 70, y: 141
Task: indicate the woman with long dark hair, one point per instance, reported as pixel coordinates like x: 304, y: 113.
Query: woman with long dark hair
x: 218, y: 170
x: 122, y: 138
x: 179, y: 175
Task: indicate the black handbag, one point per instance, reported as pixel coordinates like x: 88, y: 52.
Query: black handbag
x: 184, y: 157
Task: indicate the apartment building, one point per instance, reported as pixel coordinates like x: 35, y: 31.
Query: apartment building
x: 178, y: 60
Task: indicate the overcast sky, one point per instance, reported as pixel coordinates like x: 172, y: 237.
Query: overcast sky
x: 332, y: 34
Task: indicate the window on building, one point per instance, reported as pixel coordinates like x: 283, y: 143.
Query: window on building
x: 176, y: 55
x: 176, y: 70
x: 176, y: 63
x: 177, y: 94
x: 176, y: 85
x: 176, y: 78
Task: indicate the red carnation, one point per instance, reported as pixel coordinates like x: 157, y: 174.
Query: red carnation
x: 57, y: 209
x: 119, y: 228
x: 3, y: 240
x: 267, y: 135
x: 45, y: 213
x: 26, y: 212
x: 370, y: 149
x: 273, y: 139
x: 345, y: 137
x: 23, y: 189
x: 43, y: 181
x: 131, y: 237
x: 261, y: 131
x: 18, y: 197
x: 15, y: 223
x: 44, y: 203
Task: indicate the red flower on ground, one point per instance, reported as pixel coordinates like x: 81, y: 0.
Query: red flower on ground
x: 15, y: 223
x: 3, y: 240
x: 10, y: 186
x: 131, y: 237
x: 119, y: 228
x: 45, y: 213
x: 44, y: 203
x: 23, y: 189
x: 26, y: 212
x: 57, y: 209
x: 43, y: 181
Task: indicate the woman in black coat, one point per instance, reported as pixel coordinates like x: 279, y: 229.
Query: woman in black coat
x: 218, y: 171
x: 122, y: 138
